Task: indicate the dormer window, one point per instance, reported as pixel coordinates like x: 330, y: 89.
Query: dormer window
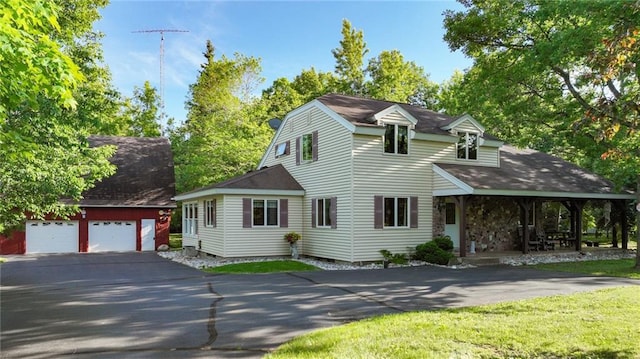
x: 467, y: 146
x: 396, y: 139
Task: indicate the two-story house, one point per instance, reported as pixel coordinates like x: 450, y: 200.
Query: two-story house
x: 354, y: 176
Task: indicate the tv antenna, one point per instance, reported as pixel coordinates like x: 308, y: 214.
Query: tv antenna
x: 161, y: 31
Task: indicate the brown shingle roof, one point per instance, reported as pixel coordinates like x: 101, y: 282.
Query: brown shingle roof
x: 359, y: 111
x: 529, y: 170
x: 144, y: 177
x: 267, y: 178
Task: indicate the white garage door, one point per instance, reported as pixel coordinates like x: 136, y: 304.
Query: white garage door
x: 119, y: 236
x: 52, y: 236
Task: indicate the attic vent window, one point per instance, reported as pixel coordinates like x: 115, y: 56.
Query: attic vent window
x: 396, y: 139
x: 467, y: 146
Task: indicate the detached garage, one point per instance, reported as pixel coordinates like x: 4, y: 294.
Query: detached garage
x: 129, y: 211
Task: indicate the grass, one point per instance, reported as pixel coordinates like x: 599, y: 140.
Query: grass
x: 262, y: 267
x: 612, y: 268
x: 600, y: 324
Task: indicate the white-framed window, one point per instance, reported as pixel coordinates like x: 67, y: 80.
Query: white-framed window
x: 467, y: 147
x: 265, y: 212
x: 396, y: 211
x: 190, y: 218
x: 307, y: 147
x: 323, y: 212
x: 396, y: 139
x: 282, y: 149
x: 210, y: 213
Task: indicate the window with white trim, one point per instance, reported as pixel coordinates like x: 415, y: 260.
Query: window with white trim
x: 396, y: 211
x: 210, y: 213
x: 467, y: 146
x: 396, y: 139
x: 307, y: 147
x: 190, y: 218
x: 265, y: 212
x: 323, y: 212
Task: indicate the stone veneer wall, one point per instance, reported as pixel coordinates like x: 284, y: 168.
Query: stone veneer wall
x: 491, y: 221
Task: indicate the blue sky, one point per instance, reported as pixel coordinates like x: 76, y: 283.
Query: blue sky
x: 288, y: 36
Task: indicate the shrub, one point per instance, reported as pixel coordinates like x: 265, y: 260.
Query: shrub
x: 444, y: 242
x: 430, y: 252
x: 395, y: 258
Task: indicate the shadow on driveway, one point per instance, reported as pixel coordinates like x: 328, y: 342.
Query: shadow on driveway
x: 140, y: 305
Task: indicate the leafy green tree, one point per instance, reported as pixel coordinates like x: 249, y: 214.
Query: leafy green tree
x: 350, y: 60
x: 394, y: 79
x: 43, y: 156
x: 224, y: 134
x: 143, y: 112
x: 280, y: 98
x: 387, y: 77
x: 284, y: 95
x: 31, y: 62
x: 562, y: 67
x: 570, y: 66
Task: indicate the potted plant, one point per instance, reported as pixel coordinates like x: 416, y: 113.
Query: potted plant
x: 292, y: 238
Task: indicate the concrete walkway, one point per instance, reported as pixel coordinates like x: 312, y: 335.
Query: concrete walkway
x: 138, y: 305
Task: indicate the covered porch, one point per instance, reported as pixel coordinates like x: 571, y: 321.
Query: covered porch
x: 498, y: 209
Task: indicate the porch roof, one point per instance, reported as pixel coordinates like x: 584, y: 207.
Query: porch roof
x: 274, y: 180
x: 525, y: 173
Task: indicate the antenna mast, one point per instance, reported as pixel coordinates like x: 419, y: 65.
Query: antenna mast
x: 161, y: 31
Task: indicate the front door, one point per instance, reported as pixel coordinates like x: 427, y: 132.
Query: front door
x: 451, y: 227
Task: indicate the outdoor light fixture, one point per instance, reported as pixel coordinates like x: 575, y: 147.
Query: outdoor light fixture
x: 83, y: 212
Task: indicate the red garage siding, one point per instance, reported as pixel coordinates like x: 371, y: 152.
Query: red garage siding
x: 16, y: 243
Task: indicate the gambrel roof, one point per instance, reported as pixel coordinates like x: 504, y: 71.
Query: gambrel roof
x: 144, y: 176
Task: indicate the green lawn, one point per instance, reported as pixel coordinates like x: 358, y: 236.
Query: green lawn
x: 262, y: 267
x: 600, y: 324
x: 613, y: 268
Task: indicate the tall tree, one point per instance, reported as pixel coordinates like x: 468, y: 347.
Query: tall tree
x: 350, y: 60
x: 43, y: 157
x: 394, y: 79
x: 570, y: 65
x: 143, y: 112
x: 99, y: 109
x: 283, y: 95
x: 225, y: 134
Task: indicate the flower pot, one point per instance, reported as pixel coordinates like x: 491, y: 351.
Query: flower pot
x: 294, y: 250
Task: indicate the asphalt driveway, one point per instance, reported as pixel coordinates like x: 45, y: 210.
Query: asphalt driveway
x: 139, y: 305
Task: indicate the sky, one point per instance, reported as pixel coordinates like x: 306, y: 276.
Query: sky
x: 287, y: 36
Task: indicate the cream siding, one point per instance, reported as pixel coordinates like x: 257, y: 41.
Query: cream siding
x: 467, y: 126
x: 248, y: 242
x: 441, y: 152
x: 377, y: 173
x: 212, y: 238
x: 330, y: 176
x: 395, y: 117
x: 440, y: 183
